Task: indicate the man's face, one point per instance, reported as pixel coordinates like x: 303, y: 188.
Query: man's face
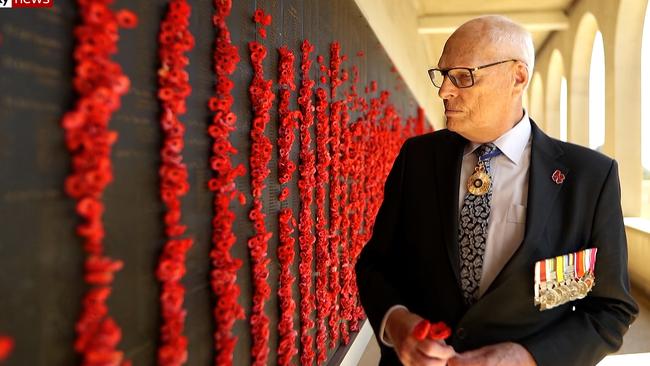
x: 481, y: 112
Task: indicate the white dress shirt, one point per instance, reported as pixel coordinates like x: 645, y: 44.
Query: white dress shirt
x: 506, y: 224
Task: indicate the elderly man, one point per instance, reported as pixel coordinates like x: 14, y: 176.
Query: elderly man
x: 513, y: 239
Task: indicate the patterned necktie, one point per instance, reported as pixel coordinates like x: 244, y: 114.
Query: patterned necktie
x: 473, y: 229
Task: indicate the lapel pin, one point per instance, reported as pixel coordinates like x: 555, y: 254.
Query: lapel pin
x: 558, y: 177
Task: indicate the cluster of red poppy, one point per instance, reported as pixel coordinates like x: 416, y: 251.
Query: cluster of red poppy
x: 174, y: 40
x: 335, y: 221
x: 324, y: 70
x: 99, y: 83
x: 288, y: 119
x: 360, y: 130
x: 287, y: 335
x: 350, y: 169
x: 223, y: 276
x: 261, y: 96
x: 352, y: 96
x: 359, y: 155
x: 335, y: 68
x: 372, y: 87
x: 323, y: 261
x: 381, y: 151
x: 6, y: 346
x: 336, y: 187
x: 306, y: 183
x: 358, y: 103
x: 263, y: 20
x: 345, y: 270
x: 416, y: 125
x: 287, y: 125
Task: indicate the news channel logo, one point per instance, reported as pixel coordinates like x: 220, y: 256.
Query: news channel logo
x: 14, y: 4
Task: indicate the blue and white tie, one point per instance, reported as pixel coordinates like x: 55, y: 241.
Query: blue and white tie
x: 473, y: 230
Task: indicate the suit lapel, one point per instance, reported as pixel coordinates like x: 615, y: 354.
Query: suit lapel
x: 542, y: 194
x: 449, y: 159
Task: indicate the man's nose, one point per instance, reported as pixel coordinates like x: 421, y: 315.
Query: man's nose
x: 447, y: 89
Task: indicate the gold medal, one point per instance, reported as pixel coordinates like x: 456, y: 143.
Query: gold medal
x: 561, y: 294
x: 549, y: 299
x: 589, y: 281
x: 479, y: 182
x: 573, y: 290
x: 582, y: 289
x: 566, y: 289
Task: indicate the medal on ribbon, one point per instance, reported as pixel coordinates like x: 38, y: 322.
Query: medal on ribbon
x: 479, y: 182
x: 564, y: 278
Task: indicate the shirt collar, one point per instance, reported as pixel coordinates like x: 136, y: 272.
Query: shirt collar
x: 512, y: 143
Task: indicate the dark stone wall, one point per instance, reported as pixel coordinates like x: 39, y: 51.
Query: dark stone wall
x: 41, y: 257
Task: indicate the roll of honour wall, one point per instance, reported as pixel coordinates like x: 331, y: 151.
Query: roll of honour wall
x: 190, y: 182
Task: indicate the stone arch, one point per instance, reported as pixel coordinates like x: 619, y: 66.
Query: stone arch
x: 623, y: 120
x: 553, y: 87
x: 580, y: 67
x: 536, y: 100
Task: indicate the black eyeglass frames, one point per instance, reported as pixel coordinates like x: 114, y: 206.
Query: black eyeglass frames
x: 461, y: 77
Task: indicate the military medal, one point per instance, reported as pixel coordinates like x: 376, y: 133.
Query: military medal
x: 554, y: 285
x: 538, y: 276
x: 590, y: 261
x: 545, y: 297
x: 586, y: 265
x: 564, y: 278
x: 561, y: 288
x: 479, y: 182
x: 571, y: 281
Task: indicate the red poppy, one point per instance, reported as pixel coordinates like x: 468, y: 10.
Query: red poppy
x: 6, y: 346
x: 126, y: 19
x: 439, y: 331
x: 421, y: 330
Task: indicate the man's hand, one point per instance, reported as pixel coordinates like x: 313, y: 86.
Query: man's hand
x: 500, y: 354
x: 411, y: 352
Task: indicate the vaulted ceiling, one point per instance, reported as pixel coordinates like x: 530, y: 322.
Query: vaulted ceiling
x: 436, y: 19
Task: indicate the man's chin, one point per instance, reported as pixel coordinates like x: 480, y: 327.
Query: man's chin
x: 453, y: 123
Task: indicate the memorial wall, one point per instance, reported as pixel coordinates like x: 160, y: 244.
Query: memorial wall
x: 190, y: 182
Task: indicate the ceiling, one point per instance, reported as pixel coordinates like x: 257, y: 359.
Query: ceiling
x: 437, y: 18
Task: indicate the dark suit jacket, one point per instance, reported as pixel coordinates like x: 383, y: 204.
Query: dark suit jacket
x: 412, y: 258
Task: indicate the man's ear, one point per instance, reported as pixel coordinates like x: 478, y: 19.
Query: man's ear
x: 520, y: 76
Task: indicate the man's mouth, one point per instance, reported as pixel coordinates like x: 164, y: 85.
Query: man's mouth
x: 449, y: 108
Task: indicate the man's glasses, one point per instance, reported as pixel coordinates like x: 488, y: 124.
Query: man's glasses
x: 461, y: 77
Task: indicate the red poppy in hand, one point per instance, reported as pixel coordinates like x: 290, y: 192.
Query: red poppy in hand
x: 434, y: 331
x: 439, y: 331
x: 421, y: 330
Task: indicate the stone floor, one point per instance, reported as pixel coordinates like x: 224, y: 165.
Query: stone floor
x: 634, y: 352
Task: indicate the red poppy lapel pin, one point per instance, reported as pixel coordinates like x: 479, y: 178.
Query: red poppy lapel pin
x: 558, y: 177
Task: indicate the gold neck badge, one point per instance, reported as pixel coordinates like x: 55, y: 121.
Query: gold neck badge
x: 479, y: 182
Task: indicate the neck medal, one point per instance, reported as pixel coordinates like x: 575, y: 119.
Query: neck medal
x: 479, y: 182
